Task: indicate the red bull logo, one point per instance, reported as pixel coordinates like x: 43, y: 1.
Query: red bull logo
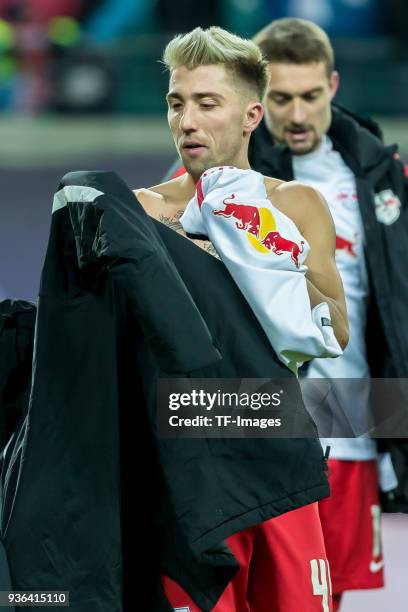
x: 260, y: 227
x: 348, y: 199
x: 276, y: 243
x: 344, y: 195
x: 246, y: 216
x: 342, y: 244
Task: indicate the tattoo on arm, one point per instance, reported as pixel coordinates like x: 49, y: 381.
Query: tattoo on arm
x: 210, y: 248
x: 173, y: 222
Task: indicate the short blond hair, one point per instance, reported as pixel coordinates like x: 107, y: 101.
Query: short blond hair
x: 295, y: 41
x: 217, y: 46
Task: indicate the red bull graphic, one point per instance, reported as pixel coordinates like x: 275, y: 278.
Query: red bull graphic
x: 260, y: 227
x: 276, y: 243
x: 342, y: 244
x: 348, y: 199
x: 344, y: 195
x: 247, y: 216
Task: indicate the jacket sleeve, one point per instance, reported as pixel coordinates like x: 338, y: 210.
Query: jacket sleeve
x: 396, y: 500
x: 17, y: 319
x: 114, y: 235
x: 400, y: 177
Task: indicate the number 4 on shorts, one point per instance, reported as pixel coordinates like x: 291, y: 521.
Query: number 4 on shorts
x: 321, y: 581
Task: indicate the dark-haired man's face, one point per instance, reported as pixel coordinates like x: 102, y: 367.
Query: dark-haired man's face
x: 297, y: 104
x: 210, y: 118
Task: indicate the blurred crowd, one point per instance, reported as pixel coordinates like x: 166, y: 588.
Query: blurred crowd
x: 92, y: 55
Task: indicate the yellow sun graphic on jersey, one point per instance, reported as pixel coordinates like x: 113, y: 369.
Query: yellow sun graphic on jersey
x: 267, y: 224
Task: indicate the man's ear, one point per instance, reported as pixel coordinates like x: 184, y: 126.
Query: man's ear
x: 253, y: 116
x: 334, y: 82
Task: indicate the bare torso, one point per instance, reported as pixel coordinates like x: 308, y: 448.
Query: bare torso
x: 166, y: 203
x: 302, y: 204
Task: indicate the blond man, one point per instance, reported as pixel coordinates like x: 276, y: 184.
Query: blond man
x: 217, y: 82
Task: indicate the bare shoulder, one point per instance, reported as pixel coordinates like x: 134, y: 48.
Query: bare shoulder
x: 303, y: 204
x: 151, y: 194
x: 147, y: 192
x: 163, y: 198
x: 272, y: 183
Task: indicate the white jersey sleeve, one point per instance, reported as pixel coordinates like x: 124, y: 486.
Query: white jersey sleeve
x: 264, y: 253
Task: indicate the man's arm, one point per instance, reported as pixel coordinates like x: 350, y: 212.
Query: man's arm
x: 312, y: 216
x: 323, y: 278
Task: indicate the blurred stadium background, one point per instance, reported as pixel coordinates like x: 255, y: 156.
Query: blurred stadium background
x: 81, y: 88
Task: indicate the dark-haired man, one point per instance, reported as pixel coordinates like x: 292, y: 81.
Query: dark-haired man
x: 305, y: 138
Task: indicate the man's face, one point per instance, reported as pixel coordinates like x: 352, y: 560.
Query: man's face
x: 297, y: 104
x: 206, y: 114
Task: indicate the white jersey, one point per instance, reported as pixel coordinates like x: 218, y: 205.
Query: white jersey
x: 265, y: 253
x: 325, y: 170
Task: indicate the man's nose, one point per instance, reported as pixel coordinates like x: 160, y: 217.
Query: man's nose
x: 298, y: 111
x: 188, y: 120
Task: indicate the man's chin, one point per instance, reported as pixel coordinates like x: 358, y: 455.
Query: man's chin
x: 197, y: 167
x: 303, y: 147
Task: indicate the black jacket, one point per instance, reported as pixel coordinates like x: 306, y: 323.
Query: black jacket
x: 88, y: 486
x: 17, y: 321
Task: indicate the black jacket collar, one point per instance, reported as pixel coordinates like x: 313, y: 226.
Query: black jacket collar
x: 358, y: 140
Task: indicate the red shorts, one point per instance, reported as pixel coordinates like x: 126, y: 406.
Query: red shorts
x: 283, y: 568
x: 351, y: 525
